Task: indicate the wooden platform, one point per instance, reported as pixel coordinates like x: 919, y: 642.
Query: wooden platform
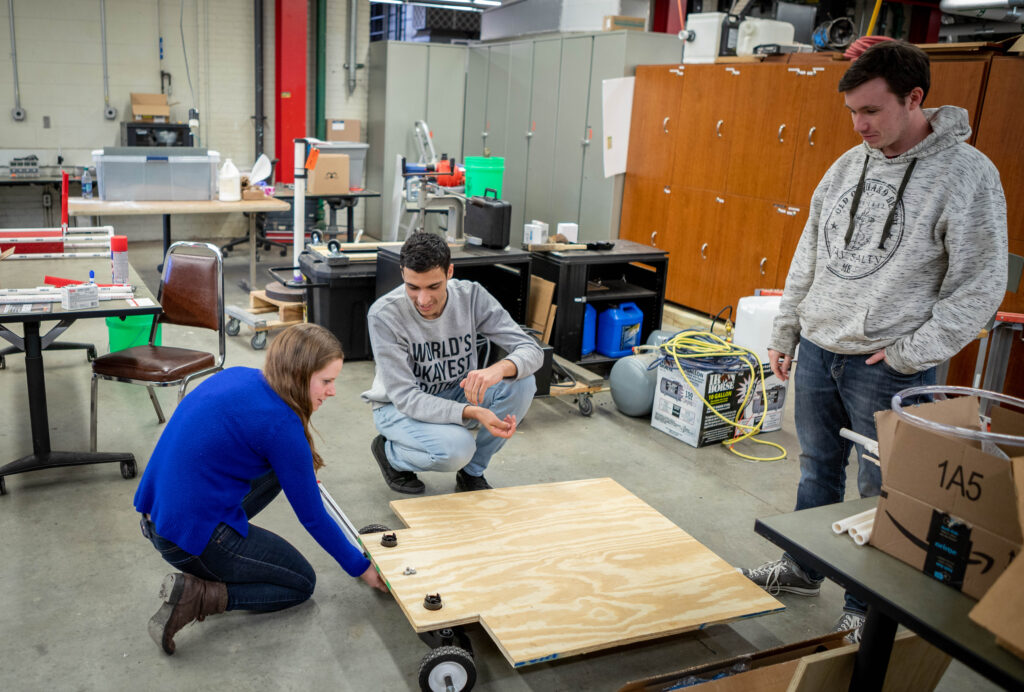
x: 558, y: 569
x: 287, y: 313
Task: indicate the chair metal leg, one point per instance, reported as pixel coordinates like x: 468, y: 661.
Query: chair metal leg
x: 156, y: 405
x: 92, y: 413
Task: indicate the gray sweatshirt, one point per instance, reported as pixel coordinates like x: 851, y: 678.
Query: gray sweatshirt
x: 936, y: 280
x: 416, y: 358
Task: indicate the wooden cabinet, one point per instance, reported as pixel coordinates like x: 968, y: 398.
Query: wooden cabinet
x: 654, y: 125
x: 1001, y: 138
x: 694, y: 222
x: 706, y: 127
x: 958, y: 83
x: 766, y: 114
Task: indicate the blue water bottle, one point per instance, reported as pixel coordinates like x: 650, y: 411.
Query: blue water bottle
x: 86, y: 184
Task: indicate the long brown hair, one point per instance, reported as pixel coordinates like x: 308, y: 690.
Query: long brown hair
x: 294, y: 355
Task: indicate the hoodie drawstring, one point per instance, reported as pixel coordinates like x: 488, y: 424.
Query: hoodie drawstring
x: 887, y: 229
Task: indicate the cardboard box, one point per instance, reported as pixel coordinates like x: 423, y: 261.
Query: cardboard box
x: 1001, y: 611
x: 342, y: 130
x: 617, y: 22
x: 329, y: 176
x: 679, y: 411
x: 150, y: 107
x: 948, y: 507
x: 966, y: 556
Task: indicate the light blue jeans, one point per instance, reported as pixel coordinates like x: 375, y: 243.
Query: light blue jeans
x: 413, y: 445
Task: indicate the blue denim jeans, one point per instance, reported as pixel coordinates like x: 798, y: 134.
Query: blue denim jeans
x: 835, y: 391
x: 417, y: 446
x: 263, y: 572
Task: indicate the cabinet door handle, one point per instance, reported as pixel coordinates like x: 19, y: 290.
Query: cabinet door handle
x: 764, y: 260
x: 484, y: 134
x: 703, y: 251
x: 654, y: 235
x: 664, y: 125
x: 810, y: 136
x: 668, y: 190
x: 529, y: 134
x: 782, y: 128
x: 718, y: 128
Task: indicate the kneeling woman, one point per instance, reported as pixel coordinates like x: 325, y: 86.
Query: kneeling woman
x: 231, y: 446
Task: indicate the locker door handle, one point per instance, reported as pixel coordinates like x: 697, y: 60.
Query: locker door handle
x: 664, y: 125
x: 654, y: 235
x: 718, y: 128
x: 764, y: 260
x: 810, y: 136
x: 782, y: 129
x: 703, y: 251
x: 484, y: 134
x: 529, y: 134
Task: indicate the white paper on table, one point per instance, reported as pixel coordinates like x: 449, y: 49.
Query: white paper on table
x: 140, y: 302
x: 616, y: 110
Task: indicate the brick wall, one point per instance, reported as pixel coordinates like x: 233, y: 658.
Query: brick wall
x: 60, y: 73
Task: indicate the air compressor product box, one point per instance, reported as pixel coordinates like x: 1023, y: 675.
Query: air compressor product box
x: 679, y: 411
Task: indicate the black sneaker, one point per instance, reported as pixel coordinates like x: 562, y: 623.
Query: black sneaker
x: 851, y: 622
x: 401, y: 481
x: 465, y: 482
x: 783, y: 575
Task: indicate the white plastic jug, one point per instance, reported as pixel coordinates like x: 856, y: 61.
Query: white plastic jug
x: 230, y: 183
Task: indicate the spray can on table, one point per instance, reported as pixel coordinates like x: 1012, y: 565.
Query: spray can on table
x: 119, y: 259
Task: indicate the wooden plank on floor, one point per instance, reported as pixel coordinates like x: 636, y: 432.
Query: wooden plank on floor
x: 558, y: 569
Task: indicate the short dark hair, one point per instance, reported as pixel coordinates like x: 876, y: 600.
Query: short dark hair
x: 902, y: 66
x: 421, y: 252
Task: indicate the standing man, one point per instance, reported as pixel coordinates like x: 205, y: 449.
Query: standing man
x: 428, y: 388
x: 901, y: 263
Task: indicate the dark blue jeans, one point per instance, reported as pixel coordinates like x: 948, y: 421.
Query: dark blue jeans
x: 263, y: 572
x: 834, y: 391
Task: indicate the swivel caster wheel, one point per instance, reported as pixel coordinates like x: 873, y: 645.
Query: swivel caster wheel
x: 259, y: 341
x: 333, y: 246
x: 90, y: 354
x: 3, y: 363
x: 447, y: 669
x: 586, y: 405
x: 315, y: 237
x: 232, y: 327
x: 128, y: 470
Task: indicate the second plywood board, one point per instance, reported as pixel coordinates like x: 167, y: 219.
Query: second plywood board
x: 558, y: 569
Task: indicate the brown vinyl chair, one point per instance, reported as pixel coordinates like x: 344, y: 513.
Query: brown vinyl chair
x: 191, y: 294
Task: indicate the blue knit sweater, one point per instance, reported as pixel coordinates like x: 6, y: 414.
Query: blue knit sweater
x: 230, y: 430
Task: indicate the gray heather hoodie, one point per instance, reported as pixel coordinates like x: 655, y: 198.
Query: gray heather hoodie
x: 416, y: 358
x: 938, y: 278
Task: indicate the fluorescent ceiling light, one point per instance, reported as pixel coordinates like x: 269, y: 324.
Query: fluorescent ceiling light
x: 487, y: 2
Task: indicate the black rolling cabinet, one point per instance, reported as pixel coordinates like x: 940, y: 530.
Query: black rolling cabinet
x: 629, y: 272
x: 504, y: 273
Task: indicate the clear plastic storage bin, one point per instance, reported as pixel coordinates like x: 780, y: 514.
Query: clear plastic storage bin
x: 140, y: 174
x: 356, y: 158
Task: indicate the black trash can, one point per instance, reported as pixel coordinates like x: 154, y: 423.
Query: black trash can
x: 338, y: 298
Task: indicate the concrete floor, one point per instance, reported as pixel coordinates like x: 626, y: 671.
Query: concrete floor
x: 78, y: 583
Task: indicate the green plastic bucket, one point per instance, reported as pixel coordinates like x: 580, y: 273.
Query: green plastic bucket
x: 483, y: 172
x: 133, y: 330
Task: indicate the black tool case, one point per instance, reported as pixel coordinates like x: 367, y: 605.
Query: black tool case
x: 489, y: 220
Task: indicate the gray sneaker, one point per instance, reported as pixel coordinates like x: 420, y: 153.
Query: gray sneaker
x: 782, y: 575
x: 853, y: 623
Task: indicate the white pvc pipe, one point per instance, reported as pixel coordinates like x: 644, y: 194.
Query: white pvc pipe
x: 863, y: 537
x: 843, y: 525
x: 299, y: 207
x: 861, y: 526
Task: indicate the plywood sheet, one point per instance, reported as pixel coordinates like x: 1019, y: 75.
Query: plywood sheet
x: 558, y: 569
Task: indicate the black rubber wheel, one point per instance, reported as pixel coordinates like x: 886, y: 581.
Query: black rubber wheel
x: 90, y: 354
x: 3, y: 363
x: 127, y: 469
x: 314, y: 237
x: 586, y: 405
x: 259, y: 341
x: 3, y: 486
x: 232, y: 327
x: 333, y: 246
x: 447, y: 667
x: 373, y: 528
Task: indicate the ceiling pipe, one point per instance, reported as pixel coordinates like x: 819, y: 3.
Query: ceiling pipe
x: 18, y: 113
x: 259, y: 118
x: 994, y: 10
x: 109, y: 112
x: 351, y: 66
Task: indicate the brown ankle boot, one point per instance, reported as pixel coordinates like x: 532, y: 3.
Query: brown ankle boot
x: 186, y: 598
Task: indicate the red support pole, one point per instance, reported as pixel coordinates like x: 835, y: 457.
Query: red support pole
x: 290, y: 42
